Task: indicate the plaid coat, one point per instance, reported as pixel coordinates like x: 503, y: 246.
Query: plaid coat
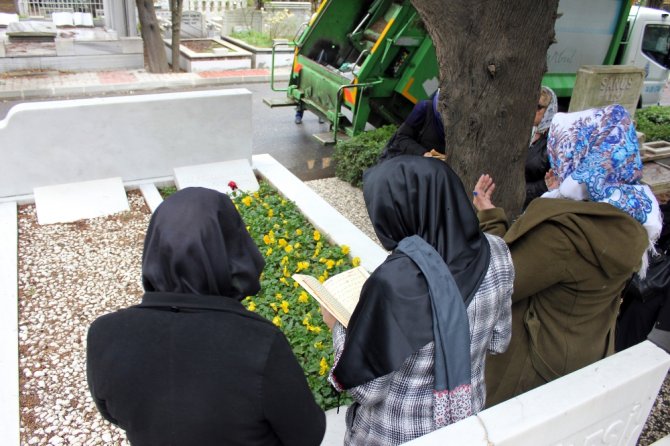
x: 398, y: 407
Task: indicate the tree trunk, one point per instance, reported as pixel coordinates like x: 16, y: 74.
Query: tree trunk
x: 658, y: 4
x: 175, y: 9
x: 151, y: 35
x: 491, y: 56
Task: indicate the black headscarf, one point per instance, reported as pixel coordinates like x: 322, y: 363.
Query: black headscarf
x: 409, y: 195
x: 197, y: 243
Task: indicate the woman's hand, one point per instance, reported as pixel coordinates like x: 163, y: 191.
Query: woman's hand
x: 483, y: 192
x: 551, y: 180
x: 328, y: 318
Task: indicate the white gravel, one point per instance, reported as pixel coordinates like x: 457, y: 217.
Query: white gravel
x: 69, y: 274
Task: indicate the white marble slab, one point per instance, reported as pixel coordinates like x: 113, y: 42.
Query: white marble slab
x: 607, y: 402
x: 9, y: 347
x: 335, y: 427
x: 62, y: 18
x: 217, y: 176
x: 70, y: 202
x: 151, y: 196
x: 7, y: 18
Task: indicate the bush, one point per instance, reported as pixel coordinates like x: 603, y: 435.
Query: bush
x: 654, y: 122
x: 355, y: 155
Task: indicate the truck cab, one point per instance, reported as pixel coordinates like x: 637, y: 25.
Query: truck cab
x: 646, y: 44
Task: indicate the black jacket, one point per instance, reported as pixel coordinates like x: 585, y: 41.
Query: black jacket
x: 183, y: 369
x: 421, y: 132
x: 537, y: 165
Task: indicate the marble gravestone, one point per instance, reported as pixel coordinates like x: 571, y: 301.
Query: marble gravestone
x: 601, y: 85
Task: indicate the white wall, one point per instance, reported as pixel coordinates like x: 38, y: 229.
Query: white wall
x: 132, y: 137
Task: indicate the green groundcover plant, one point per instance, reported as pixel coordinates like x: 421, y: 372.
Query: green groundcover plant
x: 355, y: 155
x: 290, y: 244
x: 654, y: 122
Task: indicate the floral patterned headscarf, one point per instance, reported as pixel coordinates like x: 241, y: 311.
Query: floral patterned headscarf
x: 595, y: 156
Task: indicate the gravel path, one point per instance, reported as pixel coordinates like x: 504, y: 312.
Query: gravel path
x: 69, y: 274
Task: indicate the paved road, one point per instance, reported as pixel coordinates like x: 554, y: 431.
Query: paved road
x: 273, y: 132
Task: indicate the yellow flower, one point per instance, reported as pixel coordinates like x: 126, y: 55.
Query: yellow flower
x: 345, y: 249
x: 284, y: 281
x: 273, y: 306
x: 288, y: 248
x: 248, y: 228
x: 305, y: 321
x: 279, y: 296
x: 314, y: 329
x: 339, y: 262
x: 323, y: 366
x: 284, y: 306
x: 286, y: 272
x: 283, y: 202
x: 318, y: 345
x: 330, y: 264
x: 282, y: 242
x: 268, y: 252
x: 298, y: 231
x: 295, y: 285
x: 317, y: 235
x: 323, y: 260
x: 256, y: 196
x: 297, y: 245
x: 302, y: 266
x: 322, y: 279
x: 251, y: 307
x: 246, y: 200
x: 284, y: 260
x: 303, y: 298
x: 269, y: 238
x: 277, y: 321
x: 356, y: 261
x: 271, y: 213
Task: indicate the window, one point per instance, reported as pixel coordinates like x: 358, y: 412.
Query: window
x: 656, y: 43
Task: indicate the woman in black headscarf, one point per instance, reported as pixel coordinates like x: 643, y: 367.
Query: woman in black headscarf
x: 190, y: 365
x: 412, y: 356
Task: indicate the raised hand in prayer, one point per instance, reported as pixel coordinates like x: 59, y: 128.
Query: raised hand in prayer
x: 481, y: 196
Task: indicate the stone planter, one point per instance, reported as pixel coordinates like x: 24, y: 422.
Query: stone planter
x: 262, y: 57
x: 209, y: 54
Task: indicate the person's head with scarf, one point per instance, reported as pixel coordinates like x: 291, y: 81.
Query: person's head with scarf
x: 547, y: 106
x: 197, y: 243
x: 594, y: 155
x: 409, y: 197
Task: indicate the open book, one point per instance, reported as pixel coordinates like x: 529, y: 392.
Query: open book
x: 339, y: 294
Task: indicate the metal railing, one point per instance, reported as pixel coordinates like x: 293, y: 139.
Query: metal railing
x: 44, y: 8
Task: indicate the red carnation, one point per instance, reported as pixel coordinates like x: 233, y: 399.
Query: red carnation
x: 232, y: 185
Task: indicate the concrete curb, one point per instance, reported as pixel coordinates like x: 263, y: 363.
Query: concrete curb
x: 140, y: 85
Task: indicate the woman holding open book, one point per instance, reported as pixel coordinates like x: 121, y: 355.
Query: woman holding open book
x: 412, y: 355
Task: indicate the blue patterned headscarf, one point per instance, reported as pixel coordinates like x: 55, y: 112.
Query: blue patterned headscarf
x: 595, y: 155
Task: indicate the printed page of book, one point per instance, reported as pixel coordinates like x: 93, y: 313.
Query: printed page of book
x: 339, y: 294
x: 346, y: 287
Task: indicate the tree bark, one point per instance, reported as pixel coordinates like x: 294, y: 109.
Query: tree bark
x: 151, y: 35
x: 175, y: 9
x: 491, y: 56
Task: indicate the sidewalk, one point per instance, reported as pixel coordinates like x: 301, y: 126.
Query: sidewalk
x: 52, y: 83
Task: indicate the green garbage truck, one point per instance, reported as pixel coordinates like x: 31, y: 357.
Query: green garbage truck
x: 360, y: 62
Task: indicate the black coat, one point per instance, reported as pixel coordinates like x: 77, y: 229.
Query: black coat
x: 183, y: 369
x: 537, y: 165
x: 421, y: 132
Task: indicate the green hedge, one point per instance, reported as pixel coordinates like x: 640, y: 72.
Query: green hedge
x: 654, y: 122
x: 355, y: 155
